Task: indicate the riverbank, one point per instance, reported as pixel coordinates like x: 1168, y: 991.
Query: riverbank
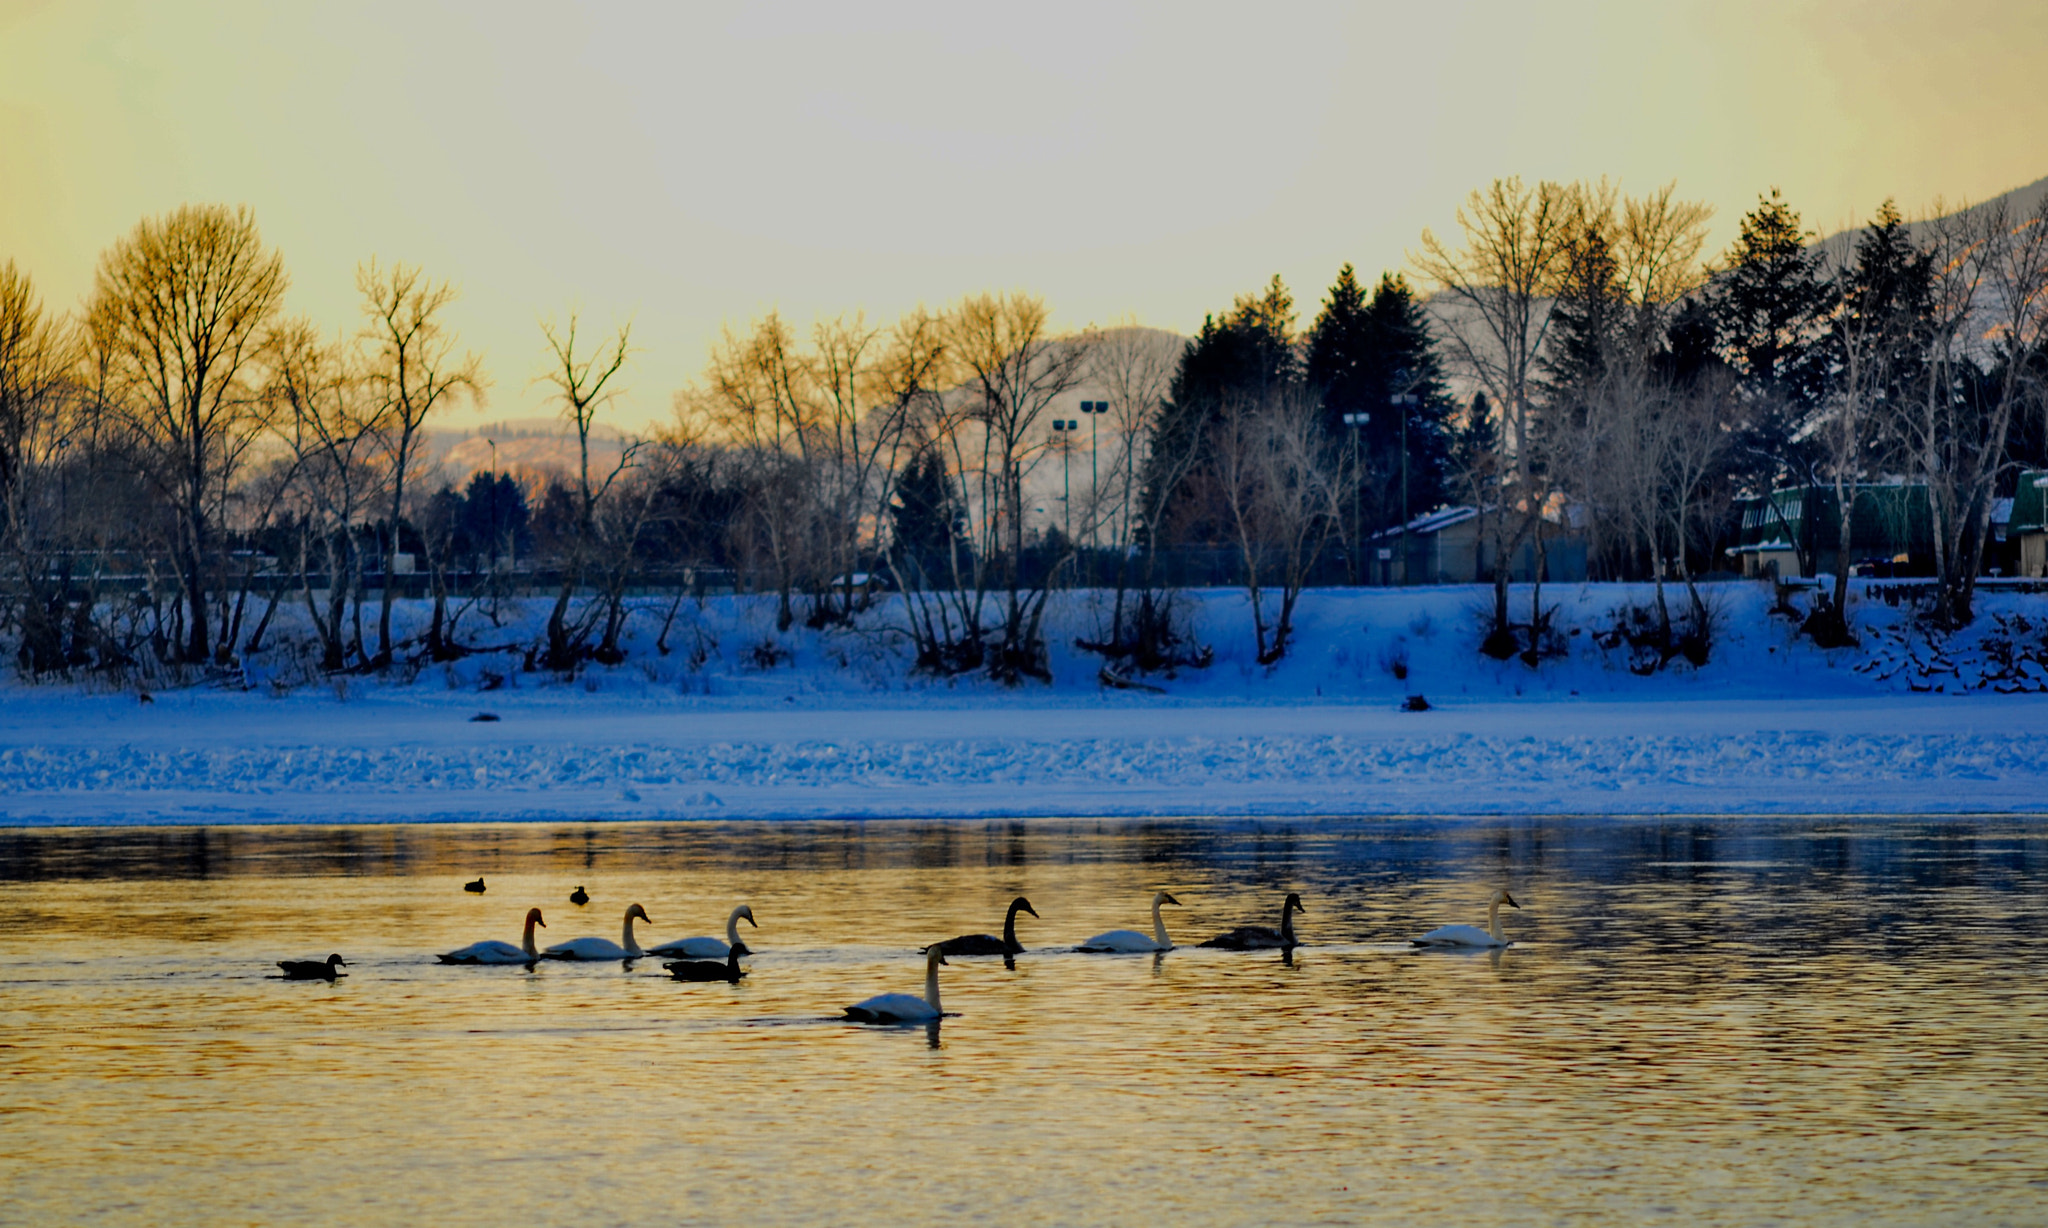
x: 1770, y: 726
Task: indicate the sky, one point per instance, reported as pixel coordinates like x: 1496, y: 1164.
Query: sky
x: 684, y: 167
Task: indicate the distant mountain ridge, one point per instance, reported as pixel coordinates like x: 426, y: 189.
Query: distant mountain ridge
x: 2021, y: 203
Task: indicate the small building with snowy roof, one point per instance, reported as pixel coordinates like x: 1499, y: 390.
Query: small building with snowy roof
x: 1456, y: 545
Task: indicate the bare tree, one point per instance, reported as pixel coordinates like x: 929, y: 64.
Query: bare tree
x: 38, y: 357
x: 1497, y: 289
x: 1012, y: 369
x: 1987, y: 331
x: 1280, y: 480
x: 414, y: 370
x: 1134, y: 367
x: 179, y: 312
x: 583, y: 386
x: 331, y: 422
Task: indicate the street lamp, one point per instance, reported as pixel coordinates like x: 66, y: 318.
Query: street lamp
x: 1354, y: 421
x: 494, y: 508
x: 1063, y: 431
x: 1094, y: 410
x: 1402, y: 401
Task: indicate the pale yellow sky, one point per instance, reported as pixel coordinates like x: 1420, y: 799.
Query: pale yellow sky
x: 688, y: 165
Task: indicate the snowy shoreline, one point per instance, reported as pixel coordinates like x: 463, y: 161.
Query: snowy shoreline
x: 1770, y: 726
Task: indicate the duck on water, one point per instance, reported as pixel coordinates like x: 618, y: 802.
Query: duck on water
x: 312, y: 969
x: 708, y: 969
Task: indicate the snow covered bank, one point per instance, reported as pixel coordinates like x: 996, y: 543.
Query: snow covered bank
x: 1768, y: 726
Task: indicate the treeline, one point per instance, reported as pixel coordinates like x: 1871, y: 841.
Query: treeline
x: 1580, y: 365
x: 1635, y: 390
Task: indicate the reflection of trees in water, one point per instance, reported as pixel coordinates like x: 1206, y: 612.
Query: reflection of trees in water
x: 1360, y: 866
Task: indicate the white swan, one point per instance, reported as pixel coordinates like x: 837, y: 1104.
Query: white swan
x: 500, y: 952
x: 600, y: 948
x: 1121, y: 941
x: 903, y: 1007
x: 712, y: 948
x: 1472, y: 935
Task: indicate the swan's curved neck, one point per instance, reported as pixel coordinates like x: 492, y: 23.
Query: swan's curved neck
x: 732, y: 928
x: 626, y: 941
x: 527, y: 942
x: 1159, y: 924
x: 1287, y: 924
x: 931, y: 981
x: 1493, y: 920
x: 1010, y: 927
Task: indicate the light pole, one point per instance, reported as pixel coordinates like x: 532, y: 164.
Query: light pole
x: 1063, y: 431
x: 1401, y: 401
x: 1094, y: 410
x: 494, y: 505
x: 1354, y: 421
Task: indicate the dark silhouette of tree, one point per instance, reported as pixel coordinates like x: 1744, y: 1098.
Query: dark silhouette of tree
x: 179, y: 314
x: 927, y: 516
x: 1246, y: 356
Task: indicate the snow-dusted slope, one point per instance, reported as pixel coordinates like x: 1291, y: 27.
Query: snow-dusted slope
x: 1769, y: 726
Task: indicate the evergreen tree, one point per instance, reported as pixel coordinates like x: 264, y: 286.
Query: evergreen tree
x: 1589, y: 320
x: 1361, y: 354
x: 1691, y: 346
x: 1248, y: 354
x: 926, y: 515
x: 493, y: 519
x: 1771, y: 306
x: 1889, y: 294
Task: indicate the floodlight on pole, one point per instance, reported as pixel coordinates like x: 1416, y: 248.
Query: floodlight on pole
x: 1094, y: 410
x: 1354, y: 421
x: 1403, y: 400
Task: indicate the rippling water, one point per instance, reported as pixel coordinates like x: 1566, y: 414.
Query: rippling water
x: 1810, y: 1021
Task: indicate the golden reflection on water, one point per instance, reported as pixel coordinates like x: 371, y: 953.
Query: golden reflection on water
x: 1736, y: 1021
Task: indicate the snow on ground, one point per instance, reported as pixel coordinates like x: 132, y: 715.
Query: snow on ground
x: 839, y: 729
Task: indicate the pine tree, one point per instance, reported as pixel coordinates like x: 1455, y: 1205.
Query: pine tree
x: 1771, y: 306
x: 1890, y: 292
x: 1361, y: 354
x: 1248, y: 354
x: 926, y: 515
x: 1590, y: 319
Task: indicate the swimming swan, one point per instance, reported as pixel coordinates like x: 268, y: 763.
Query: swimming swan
x: 989, y: 944
x: 1260, y: 937
x: 712, y: 948
x: 500, y: 952
x: 1132, y: 940
x: 707, y: 969
x: 600, y: 948
x: 1472, y: 935
x: 903, y: 1007
x: 312, y: 969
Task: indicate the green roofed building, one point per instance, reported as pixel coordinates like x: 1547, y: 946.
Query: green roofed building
x: 1793, y: 533
x: 2027, y: 526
